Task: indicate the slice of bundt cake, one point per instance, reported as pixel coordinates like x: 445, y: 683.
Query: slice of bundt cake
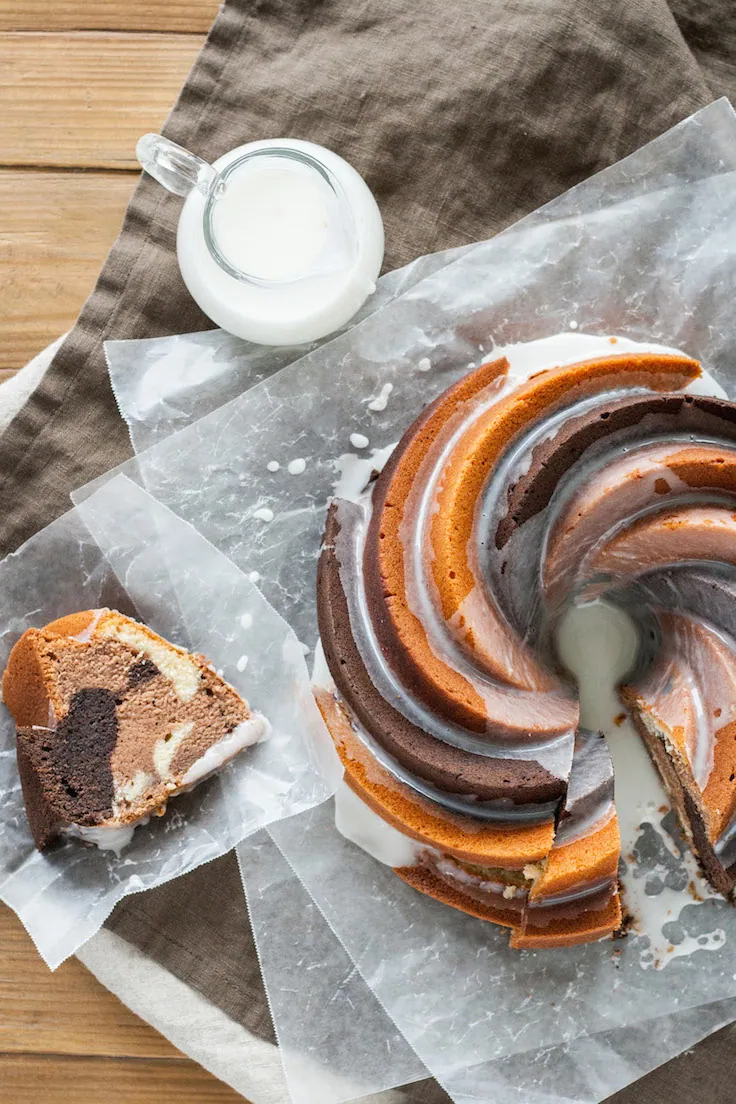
x: 112, y: 722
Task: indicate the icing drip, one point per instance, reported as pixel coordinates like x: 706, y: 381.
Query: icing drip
x: 359, y: 824
x: 250, y: 731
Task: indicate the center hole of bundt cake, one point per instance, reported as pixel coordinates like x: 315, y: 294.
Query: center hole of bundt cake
x: 599, y: 644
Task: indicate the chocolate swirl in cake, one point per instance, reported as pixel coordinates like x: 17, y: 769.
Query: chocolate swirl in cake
x: 113, y: 721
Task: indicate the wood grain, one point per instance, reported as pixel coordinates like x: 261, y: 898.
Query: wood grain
x: 83, y: 99
x: 51, y: 1080
x: 107, y: 15
x: 67, y: 1012
x: 78, y: 102
x: 55, y: 230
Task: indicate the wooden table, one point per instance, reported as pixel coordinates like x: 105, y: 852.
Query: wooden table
x: 80, y: 81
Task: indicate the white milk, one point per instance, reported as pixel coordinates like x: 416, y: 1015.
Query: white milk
x: 313, y: 261
x: 273, y: 220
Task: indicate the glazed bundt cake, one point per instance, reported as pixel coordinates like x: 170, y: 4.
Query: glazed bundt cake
x: 438, y: 595
x: 112, y: 722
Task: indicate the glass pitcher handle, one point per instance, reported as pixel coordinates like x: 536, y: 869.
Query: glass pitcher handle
x: 176, y: 168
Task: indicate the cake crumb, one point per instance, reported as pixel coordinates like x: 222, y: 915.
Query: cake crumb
x: 613, y: 340
x: 619, y: 719
x: 533, y: 871
x: 628, y: 924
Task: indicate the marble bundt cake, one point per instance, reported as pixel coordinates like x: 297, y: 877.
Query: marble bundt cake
x: 438, y: 595
x: 112, y: 722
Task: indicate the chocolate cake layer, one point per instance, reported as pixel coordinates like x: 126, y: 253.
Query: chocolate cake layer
x: 722, y: 878
x: 68, y: 769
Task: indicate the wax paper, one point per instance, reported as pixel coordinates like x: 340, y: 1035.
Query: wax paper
x: 122, y: 549
x: 162, y: 384
x: 470, y: 1006
x: 646, y: 250
x: 337, y: 1042
x: 587, y: 1068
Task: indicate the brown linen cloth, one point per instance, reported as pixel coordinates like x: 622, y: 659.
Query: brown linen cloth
x: 462, y: 116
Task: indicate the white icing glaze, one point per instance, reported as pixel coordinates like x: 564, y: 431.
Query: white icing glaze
x: 542, y: 703
x: 528, y: 357
x: 321, y: 675
x: 108, y: 837
x: 355, y: 471
x: 380, y: 402
x: 359, y: 824
x: 250, y: 731
x: 86, y: 634
x: 263, y: 513
x: 297, y: 467
x: 598, y: 642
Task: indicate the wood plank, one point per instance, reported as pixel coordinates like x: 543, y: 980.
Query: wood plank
x: 83, y: 99
x: 52, y: 1080
x: 193, y: 16
x: 55, y: 230
x: 68, y: 1012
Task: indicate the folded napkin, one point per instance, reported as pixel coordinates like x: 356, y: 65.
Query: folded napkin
x: 462, y: 117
